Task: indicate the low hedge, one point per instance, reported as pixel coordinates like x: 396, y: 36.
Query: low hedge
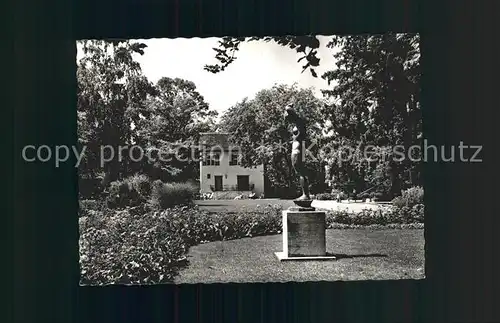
x: 330, y: 196
x: 410, y: 197
x: 325, y: 196
x: 130, y: 247
x: 167, y: 195
x: 139, y: 189
x: 384, y: 216
x: 134, y: 246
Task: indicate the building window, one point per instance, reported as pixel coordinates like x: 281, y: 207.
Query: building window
x: 235, y: 159
x: 208, y: 176
x: 211, y: 160
x: 215, y: 160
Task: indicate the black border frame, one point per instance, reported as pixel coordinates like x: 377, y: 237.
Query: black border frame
x: 459, y: 235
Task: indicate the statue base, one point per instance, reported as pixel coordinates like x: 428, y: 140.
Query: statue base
x: 304, y: 236
x: 303, y: 203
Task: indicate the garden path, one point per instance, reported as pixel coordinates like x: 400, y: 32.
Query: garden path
x: 236, y: 205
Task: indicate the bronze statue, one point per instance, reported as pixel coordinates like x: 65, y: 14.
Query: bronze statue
x: 298, y: 163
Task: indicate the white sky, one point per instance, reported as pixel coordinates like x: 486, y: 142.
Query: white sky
x: 259, y: 65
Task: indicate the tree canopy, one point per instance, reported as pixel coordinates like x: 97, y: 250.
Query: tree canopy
x: 260, y: 130
x: 110, y: 83
x: 376, y: 95
x: 172, y: 121
x: 371, y: 98
x: 305, y: 45
x: 119, y: 107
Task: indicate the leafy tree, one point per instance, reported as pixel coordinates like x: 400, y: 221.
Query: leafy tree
x: 259, y: 129
x: 118, y: 106
x: 172, y: 121
x: 376, y: 103
x: 306, y: 45
x: 110, y: 82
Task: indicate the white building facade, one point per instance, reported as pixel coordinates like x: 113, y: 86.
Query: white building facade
x: 221, y: 173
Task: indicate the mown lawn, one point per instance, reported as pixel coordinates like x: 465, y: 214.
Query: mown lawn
x: 363, y: 254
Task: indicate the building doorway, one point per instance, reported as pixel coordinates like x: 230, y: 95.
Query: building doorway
x: 243, y: 182
x: 218, y: 183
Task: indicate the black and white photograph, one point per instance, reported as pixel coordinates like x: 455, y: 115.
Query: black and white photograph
x: 250, y: 160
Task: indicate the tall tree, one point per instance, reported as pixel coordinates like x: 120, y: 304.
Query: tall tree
x: 171, y: 122
x: 109, y: 83
x: 259, y: 129
x: 377, y: 103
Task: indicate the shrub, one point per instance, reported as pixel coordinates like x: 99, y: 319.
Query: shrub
x: 85, y: 206
x: 380, y: 196
x: 127, y: 248
x: 130, y: 192
x: 122, y: 194
x: 156, y: 183
x: 166, y: 195
x: 133, y: 246
x: 331, y: 196
x: 383, y: 216
x: 412, y: 214
x: 247, y: 224
x: 364, y: 196
x: 342, y: 195
x: 410, y: 197
x: 323, y: 196
x: 418, y: 212
x: 142, y: 184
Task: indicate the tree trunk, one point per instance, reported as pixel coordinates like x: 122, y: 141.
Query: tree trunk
x: 395, y: 189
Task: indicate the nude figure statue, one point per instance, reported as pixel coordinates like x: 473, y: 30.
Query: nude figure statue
x: 298, y: 137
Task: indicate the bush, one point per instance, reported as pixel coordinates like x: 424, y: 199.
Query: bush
x: 122, y: 194
x: 331, y: 196
x: 142, y: 184
x: 384, y: 216
x: 324, y: 196
x: 123, y: 248
x: 133, y: 246
x: 126, y: 248
x: 87, y: 206
x: 364, y: 196
x: 166, y: 195
x: 410, y: 197
x: 130, y: 192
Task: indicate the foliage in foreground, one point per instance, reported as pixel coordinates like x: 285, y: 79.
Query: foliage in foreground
x: 410, y: 197
x: 134, y: 246
x: 139, y: 189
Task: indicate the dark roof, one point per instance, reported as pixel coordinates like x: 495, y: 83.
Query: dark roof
x: 210, y: 139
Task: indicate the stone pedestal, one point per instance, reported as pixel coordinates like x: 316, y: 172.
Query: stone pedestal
x: 304, y: 232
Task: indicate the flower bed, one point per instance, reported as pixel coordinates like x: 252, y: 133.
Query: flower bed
x: 137, y: 246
